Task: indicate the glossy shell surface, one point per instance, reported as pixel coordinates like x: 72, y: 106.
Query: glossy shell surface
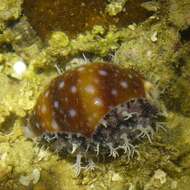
x: 77, y: 100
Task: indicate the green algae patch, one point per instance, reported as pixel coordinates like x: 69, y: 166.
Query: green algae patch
x: 156, y: 47
x: 158, y: 42
x: 10, y: 11
x: 180, y: 92
x: 115, y: 7
x: 179, y: 13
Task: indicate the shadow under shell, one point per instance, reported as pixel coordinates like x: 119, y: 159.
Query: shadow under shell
x: 118, y: 132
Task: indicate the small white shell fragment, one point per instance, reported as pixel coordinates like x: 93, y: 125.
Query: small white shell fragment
x: 131, y: 186
x: 25, y: 180
x: 116, y: 177
x: 3, y: 156
x: 154, y: 37
x: 160, y: 175
x: 36, y: 175
x: 132, y: 26
x: 19, y: 68
x: 174, y: 185
x: 32, y: 178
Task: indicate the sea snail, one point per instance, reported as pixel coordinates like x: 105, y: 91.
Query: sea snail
x: 95, y: 110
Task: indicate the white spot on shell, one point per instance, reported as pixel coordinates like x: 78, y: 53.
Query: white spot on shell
x: 56, y: 104
x: 114, y: 92
x: 124, y: 84
x: 73, y: 89
x: 61, y: 84
x: 54, y: 125
x: 32, y: 178
x: 72, y: 112
x: 81, y: 69
x: 90, y: 89
x: 98, y: 102
x: 43, y: 124
x: 47, y: 94
x: 103, y: 72
x: 94, y: 115
x: 110, y: 107
x: 44, y: 109
x: 38, y: 125
x: 96, y: 81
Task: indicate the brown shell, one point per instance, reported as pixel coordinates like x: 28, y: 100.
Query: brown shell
x: 77, y: 100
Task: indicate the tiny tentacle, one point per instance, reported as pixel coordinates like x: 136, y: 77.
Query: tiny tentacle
x: 113, y: 151
x: 50, y: 138
x: 91, y: 165
x: 128, y: 148
x: 126, y: 115
x: 77, y: 166
x: 161, y: 125
x: 97, y: 149
x: 145, y: 132
x: 74, y: 148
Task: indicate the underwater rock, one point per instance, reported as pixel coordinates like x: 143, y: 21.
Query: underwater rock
x: 76, y: 16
